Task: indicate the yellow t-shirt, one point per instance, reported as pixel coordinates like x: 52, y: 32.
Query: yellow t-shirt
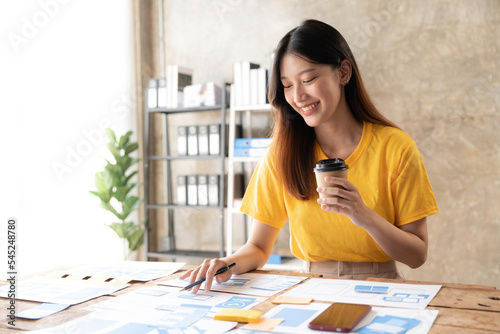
x: 390, y: 175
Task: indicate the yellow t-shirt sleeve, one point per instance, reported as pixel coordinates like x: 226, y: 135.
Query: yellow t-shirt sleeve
x: 413, y: 195
x: 264, y: 196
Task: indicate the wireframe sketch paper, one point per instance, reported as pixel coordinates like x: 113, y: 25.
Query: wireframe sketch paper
x: 61, y: 290
x: 249, y: 284
x: 411, y: 296
x: 378, y: 320
x: 133, y: 270
x: 168, y: 299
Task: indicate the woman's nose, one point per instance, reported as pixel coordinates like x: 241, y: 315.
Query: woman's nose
x: 299, y: 94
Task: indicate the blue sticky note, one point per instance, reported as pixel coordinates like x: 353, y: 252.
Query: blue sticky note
x: 41, y: 311
x: 371, y: 289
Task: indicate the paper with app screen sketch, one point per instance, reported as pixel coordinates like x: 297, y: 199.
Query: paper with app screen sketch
x: 264, y: 285
x: 132, y: 270
x: 62, y: 290
x: 413, y: 296
x: 396, y: 320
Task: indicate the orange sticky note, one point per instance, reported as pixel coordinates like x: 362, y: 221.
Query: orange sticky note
x: 292, y: 300
x: 264, y: 324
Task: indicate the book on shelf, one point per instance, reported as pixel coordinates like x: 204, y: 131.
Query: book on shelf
x: 252, y: 142
x: 251, y: 152
x: 262, y: 82
x: 242, y: 82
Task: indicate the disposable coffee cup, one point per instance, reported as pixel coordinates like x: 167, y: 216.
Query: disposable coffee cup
x: 329, y: 167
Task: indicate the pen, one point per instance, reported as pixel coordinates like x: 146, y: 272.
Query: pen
x: 220, y: 271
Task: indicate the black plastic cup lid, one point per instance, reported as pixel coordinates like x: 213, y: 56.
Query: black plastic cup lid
x: 329, y: 165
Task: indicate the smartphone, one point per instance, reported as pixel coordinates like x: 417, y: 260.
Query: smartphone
x: 340, y: 317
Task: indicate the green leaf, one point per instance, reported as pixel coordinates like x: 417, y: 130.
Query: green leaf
x: 111, y: 135
x: 131, y: 148
x: 118, y: 228
x: 114, y: 150
x: 123, y: 141
x: 127, y: 178
x: 136, y: 239
x: 122, y: 191
x: 100, y: 195
x: 103, y: 183
x: 111, y: 209
x: 129, y: 205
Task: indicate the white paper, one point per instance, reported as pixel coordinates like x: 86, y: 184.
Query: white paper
x: 398, y: 295
x: 62, y: 290
x: 297, y: 317
x: 132, y: 270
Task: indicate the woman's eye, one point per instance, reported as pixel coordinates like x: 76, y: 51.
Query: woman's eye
x: 287, y: 86
x: 310, y: 80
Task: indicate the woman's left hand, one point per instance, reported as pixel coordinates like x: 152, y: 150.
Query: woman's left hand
x: 346, y: 201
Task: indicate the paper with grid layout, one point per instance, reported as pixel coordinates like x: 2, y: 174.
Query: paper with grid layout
x: 413, y: 296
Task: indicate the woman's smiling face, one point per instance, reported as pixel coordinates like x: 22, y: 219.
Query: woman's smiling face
x: 313, y: 90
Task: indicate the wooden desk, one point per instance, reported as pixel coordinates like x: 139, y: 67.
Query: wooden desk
x: 462, y: 308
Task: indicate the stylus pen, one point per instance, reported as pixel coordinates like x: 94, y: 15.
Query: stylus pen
x: 220, y: 271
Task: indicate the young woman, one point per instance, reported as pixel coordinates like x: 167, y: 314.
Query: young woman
x: 377, y: 216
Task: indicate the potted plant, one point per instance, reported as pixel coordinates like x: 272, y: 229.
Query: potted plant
x: 114, y: 188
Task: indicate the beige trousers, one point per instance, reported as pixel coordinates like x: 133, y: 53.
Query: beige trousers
x: 353, y: 270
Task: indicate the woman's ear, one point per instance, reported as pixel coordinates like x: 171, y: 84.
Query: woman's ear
x: 345, y: 72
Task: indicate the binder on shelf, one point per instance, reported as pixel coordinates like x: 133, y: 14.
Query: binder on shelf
x: 203, y: 140
x: 237, y: 84
x: 262, y: 78
x: 246, y: 66
x: 254, y: 86
x: 252, y: 142
x: 253, y: 152
x: 213, y: 190
x: 152, y: 93
x: 214, y: 139
x: 182, y: 140
x: 181, y: 190
x: 202, y: 190
x: 192, y: 190
x: 162, y: 93
x: 180, y: 77
x: 192, y: 140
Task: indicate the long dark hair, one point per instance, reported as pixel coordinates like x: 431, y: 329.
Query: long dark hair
x: 294, y: 140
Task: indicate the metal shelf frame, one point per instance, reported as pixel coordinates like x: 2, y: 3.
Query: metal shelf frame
x: 173, y: 252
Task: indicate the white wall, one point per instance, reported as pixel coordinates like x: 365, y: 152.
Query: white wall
x: 66, y: 73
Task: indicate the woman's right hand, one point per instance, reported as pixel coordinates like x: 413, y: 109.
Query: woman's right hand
x: 207, y: 269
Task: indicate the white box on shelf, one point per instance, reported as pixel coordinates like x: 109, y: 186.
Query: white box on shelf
x: 192, y: 190
x: 192, y: 140
x: 198, y: 95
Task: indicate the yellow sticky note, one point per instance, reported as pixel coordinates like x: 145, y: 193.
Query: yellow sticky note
x: 264, y: 324
x: 292, y: 300
x: 236, y: 314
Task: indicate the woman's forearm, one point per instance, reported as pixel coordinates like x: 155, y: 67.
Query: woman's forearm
x: 407, y: 244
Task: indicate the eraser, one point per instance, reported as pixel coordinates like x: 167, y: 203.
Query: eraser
x: 236, y: 314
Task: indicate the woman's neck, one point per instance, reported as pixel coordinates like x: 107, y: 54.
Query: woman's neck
x: 339, y: 137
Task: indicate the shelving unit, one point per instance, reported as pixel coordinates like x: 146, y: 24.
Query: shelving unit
x: 174, y: 252
x: 232, y: 160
